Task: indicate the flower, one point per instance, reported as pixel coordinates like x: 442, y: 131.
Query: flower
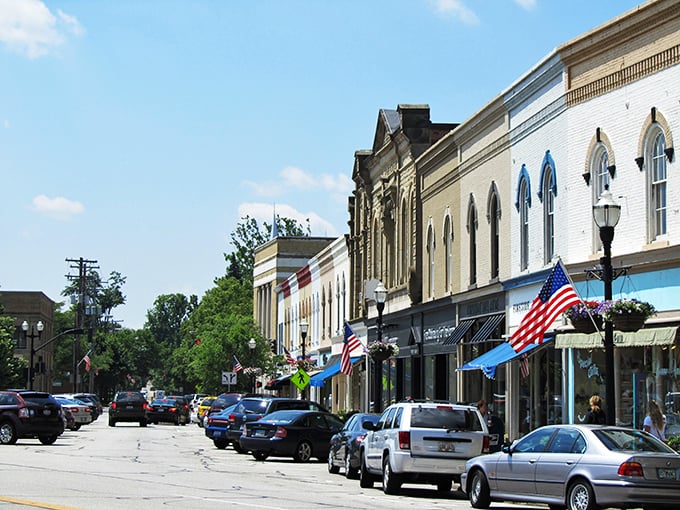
x: 626, y: 307
x: 377, y: 348
x: 580, y: 310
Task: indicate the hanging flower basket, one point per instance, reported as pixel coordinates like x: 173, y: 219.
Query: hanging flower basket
x: 627, y: 314
x: 579, y: 315
x: 584, y: 325
x: 380, y: 351
x: 306, y: 365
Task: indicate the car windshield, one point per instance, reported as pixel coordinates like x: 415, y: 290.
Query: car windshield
x: 130, y: 397
x: 251, y: 406
x: 164, y: 402
x: 207, y: 401
x: 226, y: 400
x: 445, y: 417
x: 630, y: 440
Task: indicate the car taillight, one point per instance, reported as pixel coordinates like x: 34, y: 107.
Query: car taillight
x: 74, y: 409
x: 630, y: 469
x: 173, y: 409
x: 405, y: 440
x: 113, y: 405
x: 145, y: 406
x: 485, y: 444
x: 232, y: 417
x: 280, y: 432
x: 360, y: 438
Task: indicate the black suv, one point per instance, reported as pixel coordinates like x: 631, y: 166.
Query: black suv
x: 251, y: 409
x: 128, y: 406
x: 29, y: 414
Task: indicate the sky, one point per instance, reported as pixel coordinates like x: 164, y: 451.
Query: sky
x: 138, y: 133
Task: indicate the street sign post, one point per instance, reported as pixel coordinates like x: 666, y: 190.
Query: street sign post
x: 228, y: 378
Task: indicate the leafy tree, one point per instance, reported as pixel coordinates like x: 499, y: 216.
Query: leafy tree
x: 11, y: 367
x: 106, y: 294
x: 247, y: 236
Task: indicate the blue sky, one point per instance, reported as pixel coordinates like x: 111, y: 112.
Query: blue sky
x: 137, y: 133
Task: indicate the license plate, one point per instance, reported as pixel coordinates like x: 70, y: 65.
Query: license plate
x: 47, y: 412
x: 666, y: 474
x: 218, y: 433
x: 161, y: 410
x: 447, y: 446
x: 259, y: 433
x: 129, y: 407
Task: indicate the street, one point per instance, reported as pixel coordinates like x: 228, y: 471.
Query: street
x: 166, y: 466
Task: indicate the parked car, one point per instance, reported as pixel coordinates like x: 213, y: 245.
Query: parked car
x: 168, y: 410
x: 251, y: 409
x: 216, y: 425
x: 92, y: 399
x: 128, y: 406
x: 421, y: 442
x: 29, y: 414
x: 580, y: 467
x: 81, y: 412
x: 292, y: 433
x: 69, y: 421
x: 184, y: 408
x: 223, y: 401
x: 203, y: 407
x: 345, y: 445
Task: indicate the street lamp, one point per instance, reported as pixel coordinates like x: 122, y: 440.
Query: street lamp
x: 31, y: 369
x: 252, y: 344
x: 606, y: 213
x: 380, y: 298
x: 304, y: 327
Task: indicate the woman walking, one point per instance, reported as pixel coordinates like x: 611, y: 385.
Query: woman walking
x: 655, y: 421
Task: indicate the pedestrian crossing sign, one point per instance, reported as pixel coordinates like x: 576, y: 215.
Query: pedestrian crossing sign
x: 300, y: 379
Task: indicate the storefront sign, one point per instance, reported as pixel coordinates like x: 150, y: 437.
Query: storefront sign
x: 482, y: 307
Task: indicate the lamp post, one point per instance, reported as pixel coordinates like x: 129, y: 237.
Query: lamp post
x: 380, y: 298
x: 252, y: 344
x: 304, y: 327
x: 31, y: 369
x: 606, y: 213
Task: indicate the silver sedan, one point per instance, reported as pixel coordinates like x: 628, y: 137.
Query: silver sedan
x: 580, y: 467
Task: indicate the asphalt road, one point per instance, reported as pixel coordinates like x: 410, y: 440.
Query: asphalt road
x: 170, y: 467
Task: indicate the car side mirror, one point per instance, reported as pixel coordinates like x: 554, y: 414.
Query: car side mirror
x: 507, y: 448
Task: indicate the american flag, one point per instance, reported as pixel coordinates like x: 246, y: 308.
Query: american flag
x: 289, y: 359
x: 87, y: 361
x: 556, y: 295
x: 237, y: 365
x: 524, y: 366
x: 349, y: 343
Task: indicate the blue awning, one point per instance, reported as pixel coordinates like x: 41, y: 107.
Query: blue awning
x: 318, y: 379
x: 500, y: 354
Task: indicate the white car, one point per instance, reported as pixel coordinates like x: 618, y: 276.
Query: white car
x: 82, y: 414
x: 421, y: 442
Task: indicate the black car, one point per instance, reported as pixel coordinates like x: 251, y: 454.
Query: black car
x: 345, y: 446
x: 223, y: 401
x: 168, y: 410
x: 128, y: 406
x: 298, y: 434
x: 251, y: 409
x: 29, y: 414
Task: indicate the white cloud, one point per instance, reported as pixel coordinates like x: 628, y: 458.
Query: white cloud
x: 296, y: 179
x: 526, y: 4
x: 265, y: 213
x: 28, y: 27
x: 58, y: 208
x: 457, y: 9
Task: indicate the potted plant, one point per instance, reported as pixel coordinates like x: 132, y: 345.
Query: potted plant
x: 305, y: 364
x: 382, y: 350
x: 627, y: 314
x: 580, y: 316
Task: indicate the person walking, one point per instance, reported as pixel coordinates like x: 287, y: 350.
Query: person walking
x: 496, y: 427
x: 595, y: 414
x: 655, y: 421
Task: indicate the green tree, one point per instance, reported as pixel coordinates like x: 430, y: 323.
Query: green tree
x: 247, y: 236
x: 11, y: 367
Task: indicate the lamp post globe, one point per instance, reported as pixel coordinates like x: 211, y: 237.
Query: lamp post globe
x: 606, y: 214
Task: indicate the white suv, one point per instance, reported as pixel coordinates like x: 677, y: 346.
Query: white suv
x: 422, y: 442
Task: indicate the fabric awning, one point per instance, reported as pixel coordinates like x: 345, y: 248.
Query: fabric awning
x: 489, y: 326
x: 457, y: 335
x: 318, y: 379
x: 276, y: 384
x: 499, y: 355
x: 641, y: 338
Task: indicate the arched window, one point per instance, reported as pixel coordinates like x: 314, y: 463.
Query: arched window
x: 548, y: 218
x: 430, y: 259
x: 376, y: 250
x: 600, y: 178
x: 405, y: 245
x: 655, y: 159
x: 330, y: 311
x: 448, y: 253
x: 472, y: 233
x: 522, y: 204
x: 494, y: 215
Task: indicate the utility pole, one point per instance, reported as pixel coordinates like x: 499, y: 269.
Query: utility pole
x: 83, y: 266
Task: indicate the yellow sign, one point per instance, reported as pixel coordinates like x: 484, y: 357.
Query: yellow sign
x: 300, y: 379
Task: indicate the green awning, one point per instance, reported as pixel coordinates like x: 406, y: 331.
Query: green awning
x: 641, y: 338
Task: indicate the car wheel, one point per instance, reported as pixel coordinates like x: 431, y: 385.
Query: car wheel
x: 303, y: 452
x: 350, y: 472
x: 365, y: 478
x: 479, y: 490
x: 260, y: 455
x: 445, y: 485
x: 220, y: 443
x: 112, y: 422
x: 142, y: 423
x: 580, y: 496
x: 8, y: 433
x: 238, y: 449
x: 332, y: 468
x: 48, y: 439
x: 391, y: 482
x: 76, y: 427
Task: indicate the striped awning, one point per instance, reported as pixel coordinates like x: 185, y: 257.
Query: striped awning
x: 489, y: 326
x: 457, y: 335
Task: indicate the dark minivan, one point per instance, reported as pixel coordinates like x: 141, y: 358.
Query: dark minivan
x: 128, y: 406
